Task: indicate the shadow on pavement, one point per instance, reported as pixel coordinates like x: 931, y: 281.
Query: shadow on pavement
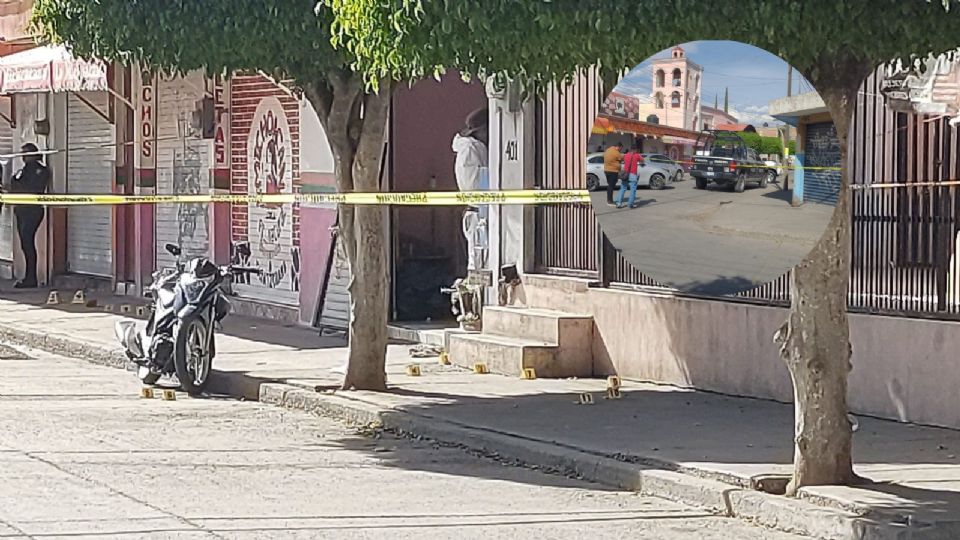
x: 248, y: 328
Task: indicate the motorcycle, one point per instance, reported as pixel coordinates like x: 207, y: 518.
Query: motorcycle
x: 188, y: 303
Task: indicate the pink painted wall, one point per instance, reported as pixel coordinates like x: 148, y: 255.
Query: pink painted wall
x: 425, y: 119
x: 314, y: 246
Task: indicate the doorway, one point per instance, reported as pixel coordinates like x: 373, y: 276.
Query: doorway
x: 429, y: 250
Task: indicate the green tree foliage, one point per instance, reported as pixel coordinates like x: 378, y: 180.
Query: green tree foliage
x: 286, y: 38
x: 771, y: 145
x: 762, y: 144
x: 549, y: 40
x: 752, y: 140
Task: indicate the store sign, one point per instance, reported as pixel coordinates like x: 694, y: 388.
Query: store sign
x: 221, y: 149
x: 26, y: 78
x: 75, y: 75
x: 917, y: 88
x: 71, y: 75
x: 147, y: 122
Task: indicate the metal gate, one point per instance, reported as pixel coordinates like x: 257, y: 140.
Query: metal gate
x: 335, y: 304
x: 183, y: 163
x: 6, y: 216
x: 822, y: 151
x: 89, y: 170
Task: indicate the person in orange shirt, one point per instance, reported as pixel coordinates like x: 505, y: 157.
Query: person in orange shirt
x: 612, y: 162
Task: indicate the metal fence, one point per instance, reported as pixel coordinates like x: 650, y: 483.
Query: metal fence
x: 903, y: 239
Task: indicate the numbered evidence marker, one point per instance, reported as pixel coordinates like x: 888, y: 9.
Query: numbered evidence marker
x: 169, y: 395
x: 146, y: 392
x: 413, y: 370
x: 585, y: 398
x: 53, y: 298
x: 480, y: 368
x: 79, y: 298
x: 613, y: 393
x: 528, y: 374
x: 613, y: 382
x: 444, y: 358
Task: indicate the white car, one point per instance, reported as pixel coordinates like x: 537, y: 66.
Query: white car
x: 651, y: 175
x: 775, y: 166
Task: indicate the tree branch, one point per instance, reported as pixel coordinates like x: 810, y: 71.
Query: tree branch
x: 321, y: 96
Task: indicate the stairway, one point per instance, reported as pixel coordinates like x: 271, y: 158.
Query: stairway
x: 553, y: 343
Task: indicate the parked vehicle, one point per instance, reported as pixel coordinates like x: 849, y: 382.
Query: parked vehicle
x: 775, y: 167
x: 178, y: 339
x: 650, y: 175
x: 723, y: 158
x: 674, y: 169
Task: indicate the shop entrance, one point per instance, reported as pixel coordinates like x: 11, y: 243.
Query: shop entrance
x: 428, y: 247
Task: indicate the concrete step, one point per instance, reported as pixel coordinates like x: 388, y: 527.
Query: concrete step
x: 546, y: 325
x: 571, y: 333
x: 503, y: 355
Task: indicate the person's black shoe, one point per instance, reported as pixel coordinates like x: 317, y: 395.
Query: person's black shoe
x: 25, y: 285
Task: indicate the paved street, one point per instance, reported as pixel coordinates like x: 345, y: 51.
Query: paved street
x: 84, y: 457
x: 713, y: 241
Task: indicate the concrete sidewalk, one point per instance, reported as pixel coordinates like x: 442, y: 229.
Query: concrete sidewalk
x: 694, y: 447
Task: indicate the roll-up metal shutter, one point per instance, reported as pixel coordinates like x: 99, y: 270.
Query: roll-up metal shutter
x: 821, y: 150
x: 6, y: 216
x: 183, y: 163
x: 335, y: 310
x: 89, y: 170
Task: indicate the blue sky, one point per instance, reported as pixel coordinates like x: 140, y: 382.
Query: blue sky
x: 754, y: 76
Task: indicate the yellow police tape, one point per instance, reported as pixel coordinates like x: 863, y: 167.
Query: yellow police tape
x: 434, y: 198
x: 431, y: 198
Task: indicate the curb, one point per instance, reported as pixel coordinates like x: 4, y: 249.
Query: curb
x: 670, y: 481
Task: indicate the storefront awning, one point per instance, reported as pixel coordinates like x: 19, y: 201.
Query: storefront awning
x: 605, y: 124
x: 50, y: 68
x: 678, y: 140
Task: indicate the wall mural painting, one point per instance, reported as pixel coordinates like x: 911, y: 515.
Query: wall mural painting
x: 270, y: 226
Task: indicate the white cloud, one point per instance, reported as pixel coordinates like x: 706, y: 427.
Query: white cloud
x: 756, y: 115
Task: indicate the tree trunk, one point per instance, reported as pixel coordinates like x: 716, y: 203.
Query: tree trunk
x: 815, y: 340
x: 369, y: 300
x: 355, y: 122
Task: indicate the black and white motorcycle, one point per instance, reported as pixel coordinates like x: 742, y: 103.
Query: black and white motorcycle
x: 189, y: 301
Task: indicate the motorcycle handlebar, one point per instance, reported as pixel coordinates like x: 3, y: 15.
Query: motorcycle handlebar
x: 245, y: 270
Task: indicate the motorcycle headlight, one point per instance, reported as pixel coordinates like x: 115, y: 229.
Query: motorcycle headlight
x: 193, y: 289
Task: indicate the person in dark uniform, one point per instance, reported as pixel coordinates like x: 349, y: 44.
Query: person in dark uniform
x: 33, y: 178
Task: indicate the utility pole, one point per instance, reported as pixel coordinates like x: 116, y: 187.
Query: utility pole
x: 789, y: 80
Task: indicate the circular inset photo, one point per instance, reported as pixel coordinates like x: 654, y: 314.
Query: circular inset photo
x: 713, y: 167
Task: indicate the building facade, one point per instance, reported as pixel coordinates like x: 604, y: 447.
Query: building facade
x: 677, y: 85
x: 904, y: 313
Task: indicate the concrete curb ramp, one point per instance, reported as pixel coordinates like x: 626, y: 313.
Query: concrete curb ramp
x: 696, y: 488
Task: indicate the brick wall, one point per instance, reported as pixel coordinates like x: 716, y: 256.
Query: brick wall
x: 246, y: 93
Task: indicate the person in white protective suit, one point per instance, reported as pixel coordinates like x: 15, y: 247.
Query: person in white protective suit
x: 470, y: 145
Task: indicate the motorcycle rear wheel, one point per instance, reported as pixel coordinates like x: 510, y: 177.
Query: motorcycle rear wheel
x: 191, y: 356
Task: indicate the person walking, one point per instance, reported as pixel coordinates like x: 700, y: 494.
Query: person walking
x: 631, y: 166
x: 32, y: 178
x: 612, y: 161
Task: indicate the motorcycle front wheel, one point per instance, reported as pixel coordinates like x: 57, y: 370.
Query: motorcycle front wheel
x: 191, y: 356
